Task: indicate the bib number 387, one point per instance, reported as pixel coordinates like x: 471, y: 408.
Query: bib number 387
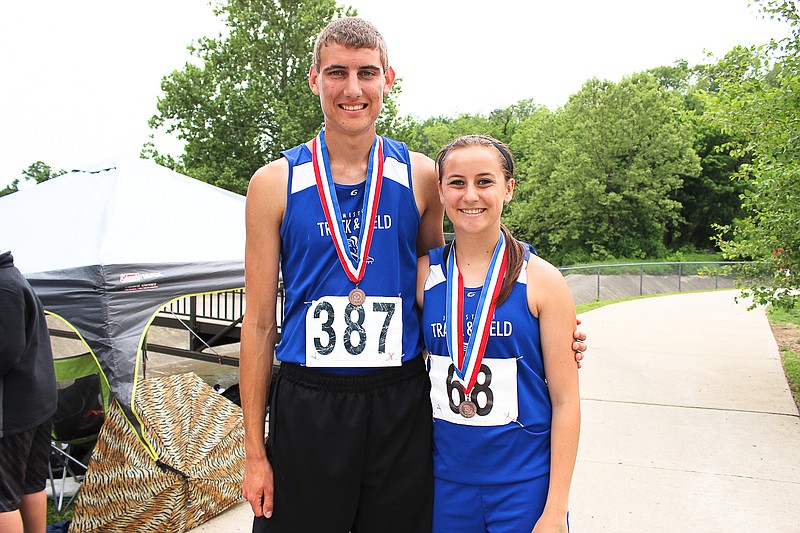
x: 340, y: 334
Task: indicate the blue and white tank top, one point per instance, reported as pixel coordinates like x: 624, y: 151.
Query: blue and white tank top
x: 309, y: 264
x: 508, y: 439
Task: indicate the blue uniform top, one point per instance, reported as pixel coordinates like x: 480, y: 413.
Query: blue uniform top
x: 518, y: 449
x: 309, y: 263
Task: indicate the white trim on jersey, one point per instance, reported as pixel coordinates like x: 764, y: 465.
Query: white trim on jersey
x: 303, y: 177
x: 523, y: 273
x: 435, y: 277
x: 396, y: 171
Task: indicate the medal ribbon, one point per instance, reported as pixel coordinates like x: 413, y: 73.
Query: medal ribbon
x: 330, y: 204
x: 467, y: 360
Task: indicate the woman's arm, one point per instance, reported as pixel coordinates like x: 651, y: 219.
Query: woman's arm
x: 549, y: 299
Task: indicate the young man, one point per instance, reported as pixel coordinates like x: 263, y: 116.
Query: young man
x: 27, y: 402
x: 349, y: 446
x: 343, y: 219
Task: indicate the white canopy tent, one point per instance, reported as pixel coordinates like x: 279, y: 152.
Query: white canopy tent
x: 106, y: 247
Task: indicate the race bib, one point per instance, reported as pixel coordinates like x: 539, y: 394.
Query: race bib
x: 340, y: 334
x: 493, y: 399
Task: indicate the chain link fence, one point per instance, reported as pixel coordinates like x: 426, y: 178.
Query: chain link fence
x: 609, y: 282
x: 587, y: 284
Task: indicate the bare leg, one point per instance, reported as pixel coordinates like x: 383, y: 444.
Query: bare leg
x: 34, y: 512
x: 11, y: 522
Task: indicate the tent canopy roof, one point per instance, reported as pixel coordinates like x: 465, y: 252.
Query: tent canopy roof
x: 122, y: 211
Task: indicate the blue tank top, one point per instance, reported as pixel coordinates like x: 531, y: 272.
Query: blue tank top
x: 519, y: 449
x: 310, y: 267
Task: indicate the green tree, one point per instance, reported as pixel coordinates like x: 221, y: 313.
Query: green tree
x: 37, y: 172
x: 762, y: 106
x: 247, y: 97
x: 504, y: 122
x: 432, y: 134
x: 599, y: 177
x: 711, y: 197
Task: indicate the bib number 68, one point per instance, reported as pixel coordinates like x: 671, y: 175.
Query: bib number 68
x: 481, y: 395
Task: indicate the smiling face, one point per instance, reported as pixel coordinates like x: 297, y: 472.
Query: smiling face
x: 474, y: 188
x: 351, y: 84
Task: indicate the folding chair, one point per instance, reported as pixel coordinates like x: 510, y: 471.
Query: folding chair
x: 83, y: 398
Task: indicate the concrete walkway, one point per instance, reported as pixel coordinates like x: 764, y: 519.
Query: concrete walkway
x: 688, y: 423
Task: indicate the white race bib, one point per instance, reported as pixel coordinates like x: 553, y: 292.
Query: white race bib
x: 340, y: 334
x: 494, y: 395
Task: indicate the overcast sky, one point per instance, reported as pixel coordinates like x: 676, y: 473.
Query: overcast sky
x: 80, y: 78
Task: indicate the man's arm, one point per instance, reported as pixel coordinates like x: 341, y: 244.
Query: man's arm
x: 266, y: 201
x: 426, y: 193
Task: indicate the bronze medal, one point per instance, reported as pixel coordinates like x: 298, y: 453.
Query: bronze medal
x: 467, y: 409
x: 357, y: 297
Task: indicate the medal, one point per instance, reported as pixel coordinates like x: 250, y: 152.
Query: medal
x: 467, y: 409
x: 467, y: 357
x: 354, y: 268
x: 357, y: 297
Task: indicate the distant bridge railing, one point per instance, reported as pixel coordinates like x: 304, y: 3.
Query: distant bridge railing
x: 608, y: 282
x: 216, y: 318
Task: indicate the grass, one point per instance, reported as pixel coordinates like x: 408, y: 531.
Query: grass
x: 54, y: 517
x: 687, y: 264
x: 583, y: 308
x: 705, y: 257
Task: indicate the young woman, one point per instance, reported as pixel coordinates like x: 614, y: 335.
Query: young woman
x: 498, y: 323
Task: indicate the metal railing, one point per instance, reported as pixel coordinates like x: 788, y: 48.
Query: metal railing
x: 588, y: 283
x: 226, y: 306
x: 211, y: 319
x: 608, y: 282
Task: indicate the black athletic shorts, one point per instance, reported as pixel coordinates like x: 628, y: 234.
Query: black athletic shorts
x: 351, y: 453
x: 24, y: 458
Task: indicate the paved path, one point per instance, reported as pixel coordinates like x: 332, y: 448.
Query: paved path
x: 688, y: 423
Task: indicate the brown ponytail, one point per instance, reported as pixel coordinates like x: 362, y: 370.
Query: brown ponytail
x: 515, y: 256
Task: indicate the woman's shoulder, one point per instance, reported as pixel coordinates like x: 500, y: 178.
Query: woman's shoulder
x: 541, y: 271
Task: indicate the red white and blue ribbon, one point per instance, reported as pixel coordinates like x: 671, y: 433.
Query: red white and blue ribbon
x: 467, y: 357
x: 330, y: 204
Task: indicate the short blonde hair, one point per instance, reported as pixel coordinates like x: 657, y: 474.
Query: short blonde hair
x: 352, y: 32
